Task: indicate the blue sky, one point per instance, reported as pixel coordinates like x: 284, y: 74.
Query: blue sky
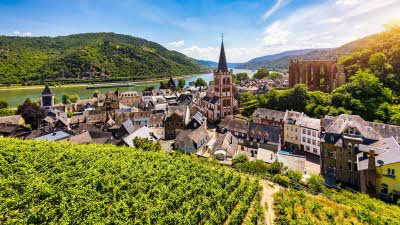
x: 251, y: 28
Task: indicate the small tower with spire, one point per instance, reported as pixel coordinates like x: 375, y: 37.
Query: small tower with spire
x: 47, y: 99
x: 223, y: 86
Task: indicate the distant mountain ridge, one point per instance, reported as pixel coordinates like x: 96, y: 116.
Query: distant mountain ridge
x: 90, y: 57
x: 213, y: 64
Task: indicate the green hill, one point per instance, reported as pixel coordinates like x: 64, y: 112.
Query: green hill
x: 90, y: 56
x: 63, y: 183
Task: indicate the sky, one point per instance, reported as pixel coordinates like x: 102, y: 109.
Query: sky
x: 251, y: 28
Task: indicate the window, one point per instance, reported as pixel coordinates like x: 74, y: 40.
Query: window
x: 313, y: 142
x: 308, y: 132
x: 315, y: 150
x: 355, y: 166
x: 332, y: 138
x: 390, y: 172
x: 304, y: 131
x: 313, y: 133
x: 349, y: 148
x: 304, y: 139
x: 296, y: 129
x: 307, y: 148
x: 384, y: 189
x: 308, y: 140
x: 356, y: 148
x: 349, y: 165
x: 291, y: 128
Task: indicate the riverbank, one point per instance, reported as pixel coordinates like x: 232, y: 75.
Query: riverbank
x: 136, y: 82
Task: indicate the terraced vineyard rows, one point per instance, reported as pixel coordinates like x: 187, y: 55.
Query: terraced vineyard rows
x: 64, y: 183
x: 332, y: 207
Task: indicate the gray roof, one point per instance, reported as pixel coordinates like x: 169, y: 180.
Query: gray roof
x: 200, y: 118
x: 10, y: 119
x: 295, y: 116
x: 226, y: 142
x: 157, y: 118
x: 143, y: 132
x: 341, y: 122
x: 270, y: 131
x: 311, y: 123
x: 83, y: 138
x: 56, y: 136
x: 387, y: 151
x: 130, y: 128
x: 180, y: 110
x: 195, y: 135
x: 270, y: 114
x: 234, y: 124
x: 386, y: 130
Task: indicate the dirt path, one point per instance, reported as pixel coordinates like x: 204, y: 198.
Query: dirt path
x: 267, y: 200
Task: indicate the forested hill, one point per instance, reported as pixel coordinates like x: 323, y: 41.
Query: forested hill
x: 282, y: 63
x: 89, y: 56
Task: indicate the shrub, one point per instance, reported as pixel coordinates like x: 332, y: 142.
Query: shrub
x: 281, y: 179
x: 315, y: 183
x: 240, y: 159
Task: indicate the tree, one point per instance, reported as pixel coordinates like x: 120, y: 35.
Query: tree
x: 274, y: 75
x: 200, y: 82
x: 294, y: 175
x: 241, y: 77
x: 315, y: 183
x: 149, y: 88
x: 3, y: 104
x: 240, y: 159
x: 68, y: 99
x: 31, y: 112
x: 181, y: 83
x: 162, y: 85
x: 261, y: 73
x: 96, y: 93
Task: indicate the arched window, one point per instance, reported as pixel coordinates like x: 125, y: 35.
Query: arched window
x: 216, y: 81
x: 223, y: 81
x: 228, y: 80
x: 349, y: 163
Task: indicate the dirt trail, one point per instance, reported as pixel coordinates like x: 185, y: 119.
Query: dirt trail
x: 267, y: 200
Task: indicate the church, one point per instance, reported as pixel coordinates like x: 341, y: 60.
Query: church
x: 219, y: 101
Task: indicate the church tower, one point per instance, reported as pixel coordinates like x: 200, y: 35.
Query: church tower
x: 223, y: 87
x: 47, y: 99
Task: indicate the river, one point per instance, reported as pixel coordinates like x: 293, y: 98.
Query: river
x: 16, y: 96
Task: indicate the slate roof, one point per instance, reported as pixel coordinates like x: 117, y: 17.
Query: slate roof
x: 295, y: 116
x: 234, y: 125
x: 56, y: 136
x: 47, y: 90
x: 311, y: 123
x: 195, y: 135
x: 386, y: 130
x: 270, y: 114
x: 128, y: 125
x: 157, y: 118
x: 143, y: 132
x: 200, y: 118
x: 341, y: 122
x: 212, y: 100
x: 387, y: 151
x: 9, y: 128
x: 180, y: 110
x: 83, y: 138
x: 11, y: 119
x: 270, y: 131
x: 226, y: 142
x: 222, y: 65
x: 95, y: 118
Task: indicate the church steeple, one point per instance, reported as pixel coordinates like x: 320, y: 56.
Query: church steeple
x: 222, y: 66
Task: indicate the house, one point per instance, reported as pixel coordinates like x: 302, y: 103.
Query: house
x: 379, y: 165
x: 125, y: 129
x: 310, y: 135
x: 143, y: 132
x: 225, y: 146
x: 197, y: 120
x: 176, y: 119
x: 98, y: 119
x: 191, y: 141
x: 266, y: 155
x: 55, y: 136
x: 270, y: 117
x: 16, y: 120
x: 108, y: 102
x: 292, y: 130
x: 85, y: 104
x: 340, y: 145
x: 156, y: 125
x: 262, y: 136
x: 76, y: 120
x: 91, y: 137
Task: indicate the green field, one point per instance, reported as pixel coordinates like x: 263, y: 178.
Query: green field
x: 64, y: 183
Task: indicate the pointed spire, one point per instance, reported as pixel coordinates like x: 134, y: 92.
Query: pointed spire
x: 47, y: 90
x: 222, y: 66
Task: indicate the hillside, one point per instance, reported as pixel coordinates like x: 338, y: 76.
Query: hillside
x: 64, y: 183
x: 332, y: 207
x: 90, y: 56
x: 266, y: 61
x: 213, y: 64
x: 275, y: 62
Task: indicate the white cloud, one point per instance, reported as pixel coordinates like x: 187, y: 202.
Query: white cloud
x: 19, y: 33
x: 347, y: 2
x: 275, y: 34
x: 279, y: 4
x: 177, y: 43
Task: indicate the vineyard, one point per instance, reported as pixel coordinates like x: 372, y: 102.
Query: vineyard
x: 64, y: 183
x: 332, y: 207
